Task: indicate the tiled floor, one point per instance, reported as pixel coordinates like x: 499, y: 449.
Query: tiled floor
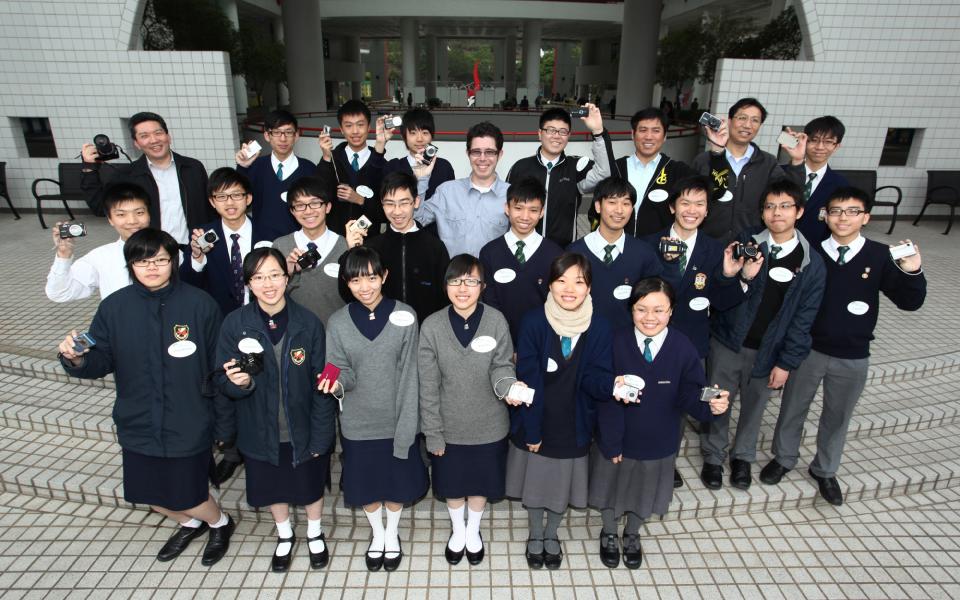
x: 65, y: 532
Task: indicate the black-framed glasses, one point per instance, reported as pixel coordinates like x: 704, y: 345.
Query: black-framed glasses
x: 235, y: 196
x: 282, y: 133
x: 467, y: 281
x: 156, y: 262
x: 554, y: 131
x: 484, y: 153
x: 781, y: 206
x: 301, y: 207
x: 850, y: 212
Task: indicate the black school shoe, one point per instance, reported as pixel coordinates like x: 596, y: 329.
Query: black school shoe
x: 475, y: 558
x: 677, y: 479
x: 712, y: 476
x: 374, y: 558
x: 218, y: 543
x: 552, y: 561
x: 829, y: 488
x: 391, y: 563
x: 632, y: 554
x: 224, y: 471
x: 452, y: 557
x: 740, y: 477
x: 610, y: 550
x: 179, y: 541
x: 773, y: 473
x: 318, y: 560
x: 534, y: 561
x: 280, y: 564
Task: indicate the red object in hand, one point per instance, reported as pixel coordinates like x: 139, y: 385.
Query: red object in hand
x: 330, y: 373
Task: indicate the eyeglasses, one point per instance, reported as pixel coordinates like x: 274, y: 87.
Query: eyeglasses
x: 659, y: 311
x: 156, y: 262
x: 850, y: 212
x: 826, y: 143
x: 392, y: 205
x: 467, y: 281
x: 781, y: 206
x: 744, y: 119
x: 271, y: 277
x: 282, y: 133
x: 483, y: 153
x: 301, y: 207
x: 235, y: 196
x: 552, y: 131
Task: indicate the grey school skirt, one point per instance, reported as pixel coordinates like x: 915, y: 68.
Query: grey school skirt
x: 643, y: 487
x: 542, y: 482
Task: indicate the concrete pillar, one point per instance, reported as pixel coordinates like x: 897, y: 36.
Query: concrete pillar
x: 510, y: 65
x: 432, y: 48
x: 588, y: 57
x: 353, y: 55
x: 379, y: 87
x: 304, y: 50
x: 638, y: 55
x: 408, y: 51
x: 283, y: 94
x: 532, y: 35
x: 443, y: 62
x: 229, y: 8
x: 498, y: 50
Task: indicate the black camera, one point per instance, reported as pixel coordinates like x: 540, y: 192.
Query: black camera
x: 580, y: 112
x: 72, y: 230
x: 746, y: 251
x: 308, y: 259
x: 428, y: 153
x: 672, y: 247
x: 250, y: 363
x: 106, y: 150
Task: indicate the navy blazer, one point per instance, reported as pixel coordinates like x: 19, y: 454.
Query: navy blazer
x: 810, y: 224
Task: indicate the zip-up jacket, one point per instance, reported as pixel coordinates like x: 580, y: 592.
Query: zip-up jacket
x: 416, y: 262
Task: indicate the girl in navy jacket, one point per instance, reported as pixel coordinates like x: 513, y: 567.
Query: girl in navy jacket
x: 286, y: 427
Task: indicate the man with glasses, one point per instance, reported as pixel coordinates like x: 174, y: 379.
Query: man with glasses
x: 271, y: 176
x: 176, y: 184
x: 565, y: 178
x: 469, y: 211
x: 757, y: 344
x: 739, y: 170
x: 808, y: 167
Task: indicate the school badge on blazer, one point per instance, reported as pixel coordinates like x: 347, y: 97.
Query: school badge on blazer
x: 700, y: 281
x: 181, y: 332
x: 298, y: 355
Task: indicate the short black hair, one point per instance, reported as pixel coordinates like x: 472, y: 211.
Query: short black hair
x: 826, y: 125
x: 462, y: 265
x: 143, y: 117
x: 566, y: 260
x: 226, y: 177
x: 361, y: 261
x: 398, y: 180
x: 647, y: 114
x: 352, y: 107
x: 255, y: 259
x: 745, y: 102
x: 783, y: 187
x: 851, y: 193
x: 528, y: 189
x: 485, y: 129
x: 648, y: 286
x: 693, y: 183
x: 279, y: 118
x: 555, y: 113
x: 308, y: 186
x: 123, y: 191
x: 612, y: 187
x: 147, y: 243
x: 418, y: 119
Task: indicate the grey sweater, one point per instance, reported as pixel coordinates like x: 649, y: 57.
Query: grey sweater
x: 459, y: 387
x: 379, y: 378
x: 316, y: 289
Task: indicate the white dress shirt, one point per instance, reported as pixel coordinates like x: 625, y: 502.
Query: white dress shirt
x: 324, y: 243
x: 656, y: 341
x: 102, y: 268
x: 690, y: 241
x: 830, y: 246
x: 785, y: 248
x: 172, y: 218
x: 816, y: 180
x: 289, y: 165
x: 639, y: 176
x: 596, y: 244
x: 362, y: 156
x: 530, y: 243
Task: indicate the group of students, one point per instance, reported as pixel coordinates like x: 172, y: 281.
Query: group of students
x: 310, y: 326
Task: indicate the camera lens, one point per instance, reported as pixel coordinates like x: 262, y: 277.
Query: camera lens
x: 210, y: 237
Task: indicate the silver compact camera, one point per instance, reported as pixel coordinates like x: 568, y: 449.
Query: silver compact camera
x: 207, y: 240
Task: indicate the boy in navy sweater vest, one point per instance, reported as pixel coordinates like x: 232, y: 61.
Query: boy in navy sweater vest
x: 271, y: 176
x: 517, y: 264
x: 757, y: 344
x: 618, y: 260
x: 858, y: 269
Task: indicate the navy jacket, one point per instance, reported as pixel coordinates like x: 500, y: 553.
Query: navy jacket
x: 442, y: 172
x: 703, y: 278
x: 160, y: 408
x: 810, y: 224
x: 787, y: 340
x: 269, y: 207
x: 311, y: 416
x: 594, y: 375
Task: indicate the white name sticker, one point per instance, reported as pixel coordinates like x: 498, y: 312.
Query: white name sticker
x: 504, y: 275
x: 332, y: 269
x: 726, y: 197
x: 263, y: 244
x: 858, y: 308
x: 181, y: 349
x: 582, y: 163
x: 283, y: 196
x: 551, y: 365
x: 248, y: 345
x: 364, y: 191
x: 484, y: 343
x: 657, y: 195
x: 621, y: 292
x: 699, y: 303
x: 780, y: 274
x: 402, y: 318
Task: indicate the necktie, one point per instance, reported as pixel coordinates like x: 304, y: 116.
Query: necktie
x: 566, y: 346
x: 355, y: 163
x: 683, y: 261
x: 312, y: 246
x: 519, y: 253
x: 280, y: 172
x: 549, y: 167
x: 843, y: 251
x: 647, y: 354
x: 774, y: 251
x: 236, y: 265
x: 608, y: 253
x: 808, y: 189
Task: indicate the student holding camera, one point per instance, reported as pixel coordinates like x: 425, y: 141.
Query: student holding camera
x: 158, y: 337
x: 633, y: 461
x: 285, y: 427
x: 422, y: 162
x: 103, y: 268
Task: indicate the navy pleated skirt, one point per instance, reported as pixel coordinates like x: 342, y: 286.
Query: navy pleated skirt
x: 284, y: 484
x: 372, y: 474
x: 170, y: 483
x: 474, y: 470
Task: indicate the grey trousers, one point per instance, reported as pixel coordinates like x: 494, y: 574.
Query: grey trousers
x: 843, y: 382
x: 731, y: 371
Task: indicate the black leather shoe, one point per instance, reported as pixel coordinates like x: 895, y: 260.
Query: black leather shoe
x: 712, y: 476
x: 829, y: 489
x: 773, y: 473
x: 740, y: 474
x: 552, y: 561
x: 179, y: 540
x: 452, y: 557
x: 318, y: 560
x: 217, y: 543
x: 391, y: 564
x: 677, y: 479
x: 632, y: 554
x: 610, y: 550
x: 475, y: 558
x: 224, y: 471
x: 374, y: 558
x: 280, y: 564
x: 534, y: 561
